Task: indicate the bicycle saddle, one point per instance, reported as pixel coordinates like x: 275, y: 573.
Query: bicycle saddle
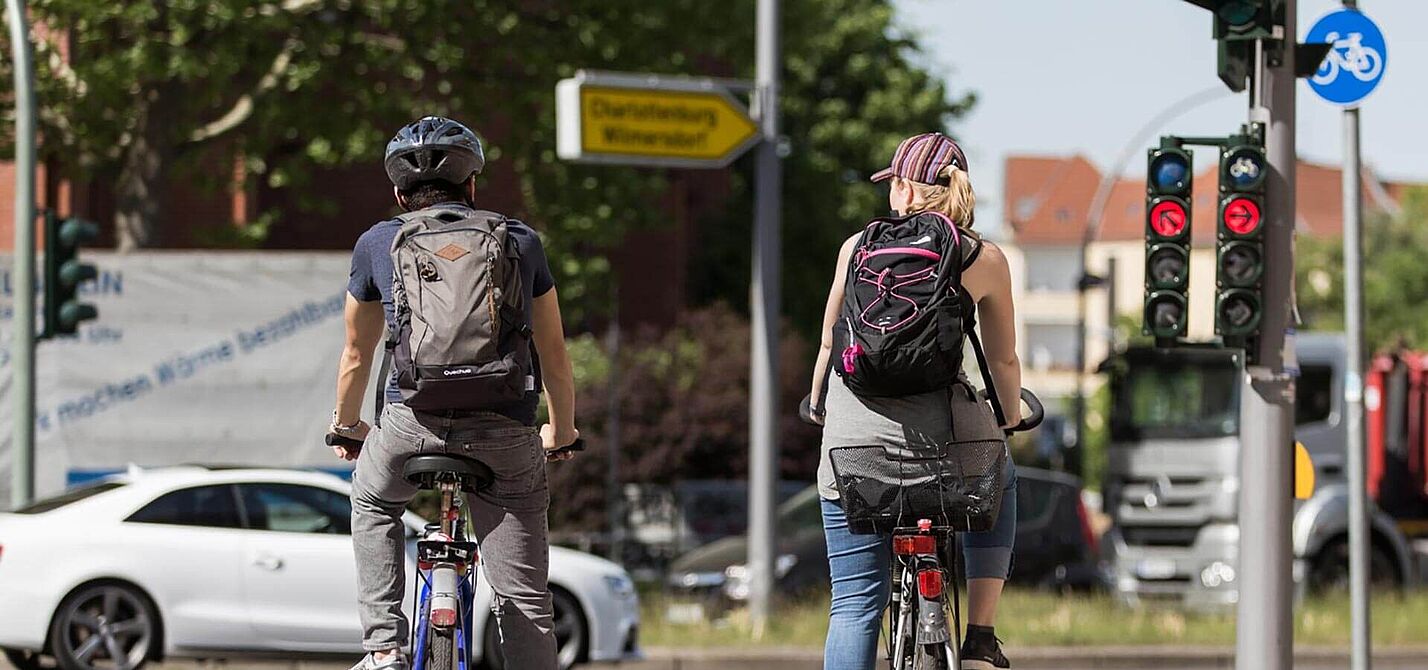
x: 427, y: 470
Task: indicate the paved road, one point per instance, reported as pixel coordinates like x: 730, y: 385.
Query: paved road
x: 1161, y: 658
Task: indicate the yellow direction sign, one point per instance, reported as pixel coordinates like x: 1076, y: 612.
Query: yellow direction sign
x: 648, y: 120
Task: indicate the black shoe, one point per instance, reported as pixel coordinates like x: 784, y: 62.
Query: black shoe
x: 983, y: 653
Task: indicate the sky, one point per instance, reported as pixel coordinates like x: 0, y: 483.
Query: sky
x: 1062, y: 77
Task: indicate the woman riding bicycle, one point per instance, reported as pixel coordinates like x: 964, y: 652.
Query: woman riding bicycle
x: 928, y: 174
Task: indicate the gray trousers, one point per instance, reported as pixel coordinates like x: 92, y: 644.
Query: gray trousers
x: 508, y: 519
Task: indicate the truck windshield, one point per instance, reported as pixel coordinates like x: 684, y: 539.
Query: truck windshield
x: 1176, y: 400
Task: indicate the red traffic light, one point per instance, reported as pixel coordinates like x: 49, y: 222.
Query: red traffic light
x: 1168, y: 218
x: 1241, y: 216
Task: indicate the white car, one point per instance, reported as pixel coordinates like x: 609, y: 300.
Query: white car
x: 209, y: 562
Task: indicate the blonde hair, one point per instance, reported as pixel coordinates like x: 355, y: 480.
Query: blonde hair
x: 956, y: 199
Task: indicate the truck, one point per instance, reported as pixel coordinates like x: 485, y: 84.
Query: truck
x: 1173, y: 478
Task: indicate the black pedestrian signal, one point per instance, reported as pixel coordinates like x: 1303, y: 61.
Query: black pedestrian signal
x: 1239, y: 252
x: 64, y: 272
x: 1169, y: 184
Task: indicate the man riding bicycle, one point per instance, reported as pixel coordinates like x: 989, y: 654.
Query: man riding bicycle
x: 505, y: 316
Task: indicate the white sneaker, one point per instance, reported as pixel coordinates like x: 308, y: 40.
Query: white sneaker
x: 396, y: 661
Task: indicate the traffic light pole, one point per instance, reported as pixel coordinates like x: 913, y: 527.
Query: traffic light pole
x: 22, y: 340
x: 1264, y: 631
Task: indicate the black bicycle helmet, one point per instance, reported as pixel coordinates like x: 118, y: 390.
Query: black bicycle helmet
x: 433, y: 148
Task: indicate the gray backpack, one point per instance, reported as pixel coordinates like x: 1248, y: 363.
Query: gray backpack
x: 462, y: 337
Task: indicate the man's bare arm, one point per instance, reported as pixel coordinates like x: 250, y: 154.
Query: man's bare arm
x: 556, y: 374
x: 365, y: 326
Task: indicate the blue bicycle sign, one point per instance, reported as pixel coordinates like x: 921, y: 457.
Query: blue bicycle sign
x: 1357, y: 57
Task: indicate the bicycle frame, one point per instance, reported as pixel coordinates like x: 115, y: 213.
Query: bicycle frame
x: 448, y: 549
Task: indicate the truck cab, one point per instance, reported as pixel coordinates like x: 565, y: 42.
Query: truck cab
x: 1173, y: 476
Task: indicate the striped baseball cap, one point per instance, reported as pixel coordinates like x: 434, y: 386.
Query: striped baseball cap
x: 921, y: 157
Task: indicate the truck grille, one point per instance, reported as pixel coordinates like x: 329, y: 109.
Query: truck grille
x: 1160, y: 536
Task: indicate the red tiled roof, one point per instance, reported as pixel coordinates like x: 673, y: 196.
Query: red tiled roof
x: 1047, y: 200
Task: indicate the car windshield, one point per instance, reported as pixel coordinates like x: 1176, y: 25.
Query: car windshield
x: 70, y: 496
x: 1176, y: 399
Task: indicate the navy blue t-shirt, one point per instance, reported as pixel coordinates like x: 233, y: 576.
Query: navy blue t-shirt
x: 371, y: 280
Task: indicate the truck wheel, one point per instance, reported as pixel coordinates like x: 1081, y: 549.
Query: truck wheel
x: 1330, y: 569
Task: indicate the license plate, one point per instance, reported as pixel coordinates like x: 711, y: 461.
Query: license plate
x: 1155, y: 568
x: 685, y: 613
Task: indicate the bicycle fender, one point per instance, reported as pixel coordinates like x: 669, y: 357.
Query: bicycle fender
x: 931, y: 621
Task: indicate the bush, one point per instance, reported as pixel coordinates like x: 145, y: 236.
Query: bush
x: 684, y: 404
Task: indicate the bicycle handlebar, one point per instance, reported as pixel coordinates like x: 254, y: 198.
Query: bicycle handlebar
x: 577, y: 445
x: 1032, y: 420
x: 1028, y: 422
x: 805, y: 411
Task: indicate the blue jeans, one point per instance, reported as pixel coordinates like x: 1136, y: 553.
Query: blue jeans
x: 860, y: 565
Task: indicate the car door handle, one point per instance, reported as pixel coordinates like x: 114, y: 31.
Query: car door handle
x: 268, y: 562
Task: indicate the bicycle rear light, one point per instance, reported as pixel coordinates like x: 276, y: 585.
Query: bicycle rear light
x: 929, y: 583
x: 907, y: 545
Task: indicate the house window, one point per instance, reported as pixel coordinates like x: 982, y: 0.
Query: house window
x: 1051, y: 346
x: 1052, y: 268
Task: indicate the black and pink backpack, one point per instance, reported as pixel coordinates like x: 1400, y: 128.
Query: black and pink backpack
x: 905, y: 315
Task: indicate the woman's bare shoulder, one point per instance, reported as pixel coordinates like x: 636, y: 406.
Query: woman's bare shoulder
x: 987, y: 271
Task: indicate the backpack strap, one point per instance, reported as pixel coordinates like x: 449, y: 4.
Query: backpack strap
x: 987, y: 377
x: 972, y: 251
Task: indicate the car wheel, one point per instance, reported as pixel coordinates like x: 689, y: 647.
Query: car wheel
x: 571, y: 634
x: 26, y: 660
x: 1330, y: 571
x: 105, y: 626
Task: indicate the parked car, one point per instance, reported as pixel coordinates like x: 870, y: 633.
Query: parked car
x: 1055, y: 548
x: 215, y: 563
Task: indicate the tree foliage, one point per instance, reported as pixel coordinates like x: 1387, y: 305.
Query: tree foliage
x: 1395, y: 278
x: 139, y: 93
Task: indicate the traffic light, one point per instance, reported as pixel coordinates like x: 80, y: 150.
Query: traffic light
x: 1170, y: 181
x: 1238, y: 23
x: 64, y: 272
x: 1239, y: 252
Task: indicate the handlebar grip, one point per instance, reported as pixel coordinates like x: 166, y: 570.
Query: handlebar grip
x: 577, y: 445
x: 335, y: 440
x: 1032, y: 419
x: 805, y: 411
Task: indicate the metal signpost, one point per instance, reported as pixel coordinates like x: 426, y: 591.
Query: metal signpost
x: 1355, y: 65
x: 689, y: 122
x: 22, y: 340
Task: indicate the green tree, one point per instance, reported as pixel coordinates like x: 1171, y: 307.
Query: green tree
x: 139, y: 93
x: 1395, y: 277
x: 853, y: 88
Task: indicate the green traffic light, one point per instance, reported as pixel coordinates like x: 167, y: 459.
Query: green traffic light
x: 63, y: 274
x: 71, y: 314
x: 1165, y: 315
x: 1238, y: 13
x: 1237, y: 313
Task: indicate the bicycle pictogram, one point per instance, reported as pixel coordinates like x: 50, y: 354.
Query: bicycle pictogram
x: 1357, y: 58
x: 1349, y: 54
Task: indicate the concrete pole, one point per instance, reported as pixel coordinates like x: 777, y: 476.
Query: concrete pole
x: 22, y: 340
x: 764, y: 312
x: 1354, y: 395
x: 1264, y: 630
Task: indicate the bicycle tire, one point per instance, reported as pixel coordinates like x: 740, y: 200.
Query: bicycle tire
x: 442, y: 645
x: 931, y: 657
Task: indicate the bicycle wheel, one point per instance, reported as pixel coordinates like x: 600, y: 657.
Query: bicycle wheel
x: 442, y: 645
x: 931, y: 657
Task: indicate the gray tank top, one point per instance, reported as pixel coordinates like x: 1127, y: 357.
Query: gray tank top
x: 911, y: 421
x: 922, y: 420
